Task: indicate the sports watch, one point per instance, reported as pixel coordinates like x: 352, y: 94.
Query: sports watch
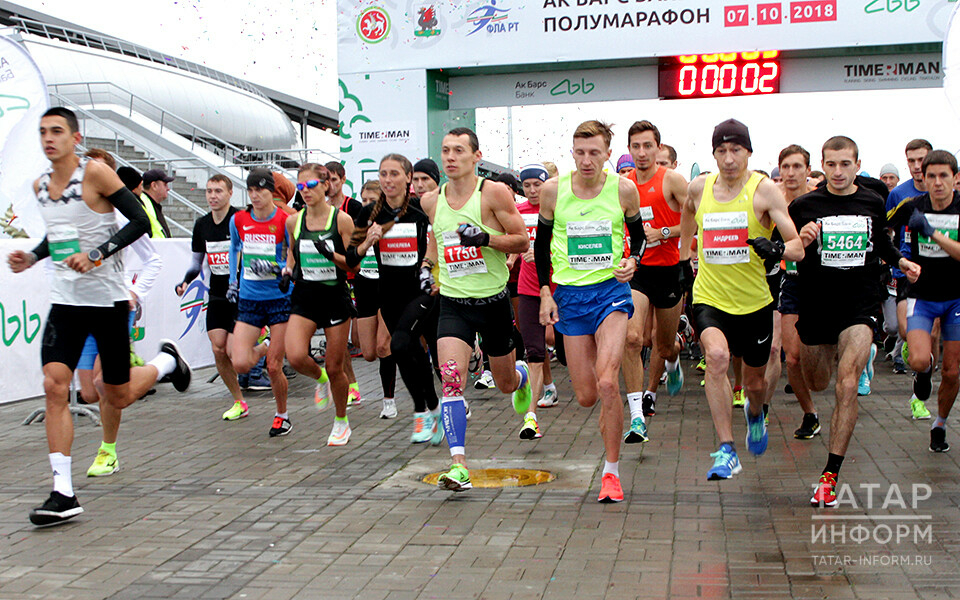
x: 665, y: 232
x: 95, y: 256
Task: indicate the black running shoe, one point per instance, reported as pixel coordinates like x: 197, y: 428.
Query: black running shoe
x: 809, y: 428
x: 180, y: 378
x: 649, y: 404
x: 280, y: 426
x: 938, y: 440
x: 889, y: 343
x: 289, y: 372
x: 57, y: 509
x: 922, y: 385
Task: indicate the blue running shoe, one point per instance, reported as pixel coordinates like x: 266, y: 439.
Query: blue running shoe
x: 756, y: 431
x: 873, y: 355
x: 863, y: 386
x: 675, y: 381
x: 725, y: 463
x: 637, y: 433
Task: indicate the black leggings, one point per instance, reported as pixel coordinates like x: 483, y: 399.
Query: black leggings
x: 407, y: 321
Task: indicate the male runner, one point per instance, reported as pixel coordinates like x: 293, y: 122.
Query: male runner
x: 426, y: 177
x: 211, y: 239
x: 667, y: 156
x: 842, y: 228
x: 657, y: 286
x: 933, y: 219
x: 476, y: 224
x: 733, y: 211
x: 890, y: 176
x: 581, y: 235
x: 794, y: 162
x: 88, y: 294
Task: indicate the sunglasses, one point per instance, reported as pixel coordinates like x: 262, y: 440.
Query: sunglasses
x: 310, y: 184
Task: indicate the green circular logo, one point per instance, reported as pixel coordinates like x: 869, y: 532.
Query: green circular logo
x: 373, y: 25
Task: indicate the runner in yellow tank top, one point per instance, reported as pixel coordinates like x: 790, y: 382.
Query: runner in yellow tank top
x: 475, y: 224
x: 733, y: 212
x: 581, y: 231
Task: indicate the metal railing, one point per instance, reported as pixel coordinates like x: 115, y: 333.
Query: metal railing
x: 112, y: 44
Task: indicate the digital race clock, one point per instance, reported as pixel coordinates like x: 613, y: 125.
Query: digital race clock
x: 720, y: 75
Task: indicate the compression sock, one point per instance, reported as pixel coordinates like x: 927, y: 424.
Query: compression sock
x: 454, y: 421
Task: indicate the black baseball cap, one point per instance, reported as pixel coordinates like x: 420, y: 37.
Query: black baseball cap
x: 156, y: 175
x: 511, y: 180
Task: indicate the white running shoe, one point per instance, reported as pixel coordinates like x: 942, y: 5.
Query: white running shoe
x: 389, y: 409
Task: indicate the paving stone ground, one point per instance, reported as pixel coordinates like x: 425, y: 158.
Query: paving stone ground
x: 204, y: 508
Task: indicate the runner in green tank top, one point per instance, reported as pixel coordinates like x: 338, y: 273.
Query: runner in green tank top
x: 581, y: 225
x: 475, y: 225
x: 734, y: 210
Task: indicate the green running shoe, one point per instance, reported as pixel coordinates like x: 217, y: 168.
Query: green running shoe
x: 739, y: 397
x: 675, y: 381
x: 524, y: 395
x: 637, y: 433
x: 457, y: 479
x: 905, y: 353
x: 104, y: 464
x: 918, y: 409
x: 238, y: 411
x: 135, y: 360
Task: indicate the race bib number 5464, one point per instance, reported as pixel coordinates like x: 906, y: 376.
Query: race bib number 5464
x: 844, y: 241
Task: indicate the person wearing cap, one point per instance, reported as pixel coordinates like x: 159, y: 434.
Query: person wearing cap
x: 585, y: 216
x: 890, y: 176
x: 843, y: 229
x: 156, y: 188
x: 532, y: 333
x: 625, y: 163
x: 733, y: 212
x: 258, y: 236
x: 132, y: 179
x: 658, y: 286
x: 426, y: 177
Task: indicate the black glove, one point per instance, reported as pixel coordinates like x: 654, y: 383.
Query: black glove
x: 284, y: 284
x: 324, y: 251
x: 918, y: 222
x: 262, y: 266
x: 233, y: 292
x: 686, y: 275
x: 767, y: 249
x: 471, y: 235
x: 426, y: 280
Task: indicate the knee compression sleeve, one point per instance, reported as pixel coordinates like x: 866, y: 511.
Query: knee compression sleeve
x: 452, y: 409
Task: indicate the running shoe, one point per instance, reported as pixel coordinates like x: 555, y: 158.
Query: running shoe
x: 243, y: 380
x: 888, y: 345
x: 549, y: 398
x: 922, y: 386
x: 905, y: 353
x: 422, y: 428
x: 180, y: 378
x: 702, y: 365
x: 264, y: 335
x: 523, y: 395
x: 675, y: 381
x: 485, y: 381
x: 476, y: 360
x: 863, y: 385
x: 826, y: 492
x: 259, y: 384
x: 340, y: 434
x: 610, y: 490
x: 104, y: 464
x: 938, y: 440
x: 457, y: 479
x: 135, y: 360
x: 685, y: 330
x: 873, y: 356
x: 436, y: 435
x: 280, y: 426
x: 808, y: 428
x: 353, y: 397
x: 322, y: 395
x: 663, y: 378
x: 530, y: 429
x: 238, y: 411
x: 637, y: 433
x: 756, y: 431
x: 649, y: 404
x: 725, y: 463
x: 56, y: 509
x: 918, y: 409
x: 466, y: 407
x: 289, y: 372
x: 389, y: 410
x: 899, y: 367
x: 739, y: 398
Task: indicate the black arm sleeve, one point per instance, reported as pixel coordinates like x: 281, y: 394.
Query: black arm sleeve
x: 638, y: 237
x: 42, y: 250
x: 124, y: 200
x: 196, y: 265
x: 351, y: 257
x: 541, y: 250
x: 884, y: 248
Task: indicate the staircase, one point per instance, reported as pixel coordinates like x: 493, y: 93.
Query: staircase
x: 172, y: 210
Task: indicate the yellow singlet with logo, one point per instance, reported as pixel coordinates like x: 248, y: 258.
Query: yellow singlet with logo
x: 731, y: 276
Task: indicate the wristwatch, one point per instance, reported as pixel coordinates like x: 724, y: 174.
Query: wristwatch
x: 665, y: 232
x: 95, y: 256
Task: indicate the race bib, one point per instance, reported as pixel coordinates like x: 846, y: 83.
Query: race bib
x: 64, y: 241
x: 844, y: 241
x: 646, y: 215
x: 398, y: 247
x: 892, y: 287
x: 590, y: 245
x: 368, y: 265
x: 315, y: 266
x: 725, y: 238
x: 461, y: 260
x: 218, y: 257
x: 790, y: 267
x: 262, y: 251
x: 945, y: 224
x: 530, y: 222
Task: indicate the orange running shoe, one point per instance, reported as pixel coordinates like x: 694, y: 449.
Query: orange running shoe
x: 610, y: 490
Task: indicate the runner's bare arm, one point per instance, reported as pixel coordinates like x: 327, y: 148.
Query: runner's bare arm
x: 770, y: 200
x: 688, y: 216
x: 675, y: 191
x: 499, y: 199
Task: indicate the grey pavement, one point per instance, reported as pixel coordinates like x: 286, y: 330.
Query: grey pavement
x: 204, y: 508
